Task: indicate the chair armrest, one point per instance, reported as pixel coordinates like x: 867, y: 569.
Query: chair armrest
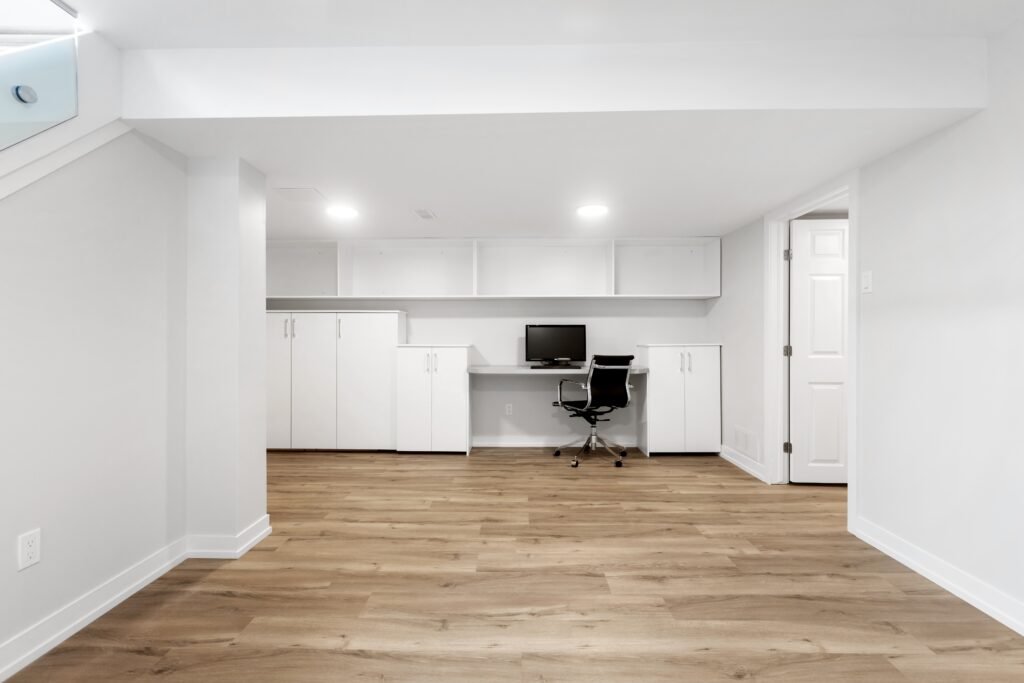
x: 581, y: 385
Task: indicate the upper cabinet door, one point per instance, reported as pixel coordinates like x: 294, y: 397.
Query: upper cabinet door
x: 279, y: 380
x: 450, y: 400
x: 703, y: 380
x: 666, y: 400
x: 366, y: 380
x: 413, y: 374
x: 314, y: 354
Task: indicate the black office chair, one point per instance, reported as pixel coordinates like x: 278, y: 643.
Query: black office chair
x: 607, y: 388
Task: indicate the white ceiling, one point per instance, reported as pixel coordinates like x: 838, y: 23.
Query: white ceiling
x: 307, y: 23
x: 662, y: 173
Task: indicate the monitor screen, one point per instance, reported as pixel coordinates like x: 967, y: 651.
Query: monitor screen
x: 556, y: 342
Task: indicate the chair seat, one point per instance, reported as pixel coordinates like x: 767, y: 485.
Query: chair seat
x: 582, y: 405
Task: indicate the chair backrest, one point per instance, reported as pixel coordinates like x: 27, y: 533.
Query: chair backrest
x: 609, y: 381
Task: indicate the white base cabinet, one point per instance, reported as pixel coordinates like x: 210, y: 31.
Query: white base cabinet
x: 330, y: 379
x: 682, y: 410
x: 432, y: 390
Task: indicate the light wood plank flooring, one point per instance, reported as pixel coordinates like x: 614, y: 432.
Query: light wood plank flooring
x: 510, y: 566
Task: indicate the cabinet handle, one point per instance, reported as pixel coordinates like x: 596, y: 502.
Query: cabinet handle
x: 293, y: 328
x: 689, y: 361
x: 339, y: 328
x: 286, y: 328
x: 682, y: 361
x: 435, y: 362
x: 426, y: 357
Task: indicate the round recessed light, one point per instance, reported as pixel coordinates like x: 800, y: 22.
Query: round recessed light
x: 592, y: 211
x: 342, y: 213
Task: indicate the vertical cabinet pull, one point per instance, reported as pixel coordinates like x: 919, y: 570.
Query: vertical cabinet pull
x: 286, y: 328
x: 435, y: 362
x: 339, y: 328
x: 426, y: 357
x: 689, y: 361
x: 682, y: 361
x: 293, y: 328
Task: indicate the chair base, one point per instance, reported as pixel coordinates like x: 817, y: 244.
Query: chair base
x: 591, y: 444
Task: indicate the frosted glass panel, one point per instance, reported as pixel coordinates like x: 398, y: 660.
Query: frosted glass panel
x: 38, y: 69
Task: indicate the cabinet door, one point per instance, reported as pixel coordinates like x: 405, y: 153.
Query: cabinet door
x: 450, y: 400
x: 314, y: 411
x: 366, y: 380
x: 279, y: 380
x: 703, y: 381
x: 666, y: 400
x: 413, y: 372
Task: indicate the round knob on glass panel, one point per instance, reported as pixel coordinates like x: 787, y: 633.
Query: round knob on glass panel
x: 25, y: 94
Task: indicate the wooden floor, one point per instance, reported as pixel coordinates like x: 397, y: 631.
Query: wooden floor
x: 510, y: 566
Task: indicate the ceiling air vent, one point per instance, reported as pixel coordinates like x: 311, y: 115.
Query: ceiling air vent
x: 426, y: 214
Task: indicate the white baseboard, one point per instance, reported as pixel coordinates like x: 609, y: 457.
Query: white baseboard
x: 222, y: 547
x: 36, y: 640
x: 537, y: 441
x: 986, y: 597
x: 755, y: 469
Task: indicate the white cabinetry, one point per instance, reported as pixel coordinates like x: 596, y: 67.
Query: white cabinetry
x: 683, y: 407
x: 314, y: 411
x: 432, y: 389
x: 330, y: 379
x: 279, y: 380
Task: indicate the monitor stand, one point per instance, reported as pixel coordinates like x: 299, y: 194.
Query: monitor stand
x: 556, y: 365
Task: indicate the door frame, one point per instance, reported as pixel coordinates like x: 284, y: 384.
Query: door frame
x: 776, y: 322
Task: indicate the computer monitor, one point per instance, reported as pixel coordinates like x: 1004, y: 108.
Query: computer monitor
x: 556, y: 345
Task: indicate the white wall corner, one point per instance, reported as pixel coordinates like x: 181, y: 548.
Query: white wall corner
x: 225, y: 547
x: 25, y: 647
x: 999, y: 605
x: 746, y: 463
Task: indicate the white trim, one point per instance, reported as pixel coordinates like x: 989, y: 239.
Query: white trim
x: 1001, y: 606
x: 40, y: 168
x: 540, y: 441
x: 776, y: 397
x: 745, y: 463
x: 36, y: 640
x: 223, y: 547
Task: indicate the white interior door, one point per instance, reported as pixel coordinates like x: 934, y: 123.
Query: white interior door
x: 703, y: 415
x: 314, y: 410
x: 449, y: 411
x: 819, y: 321
x: 413, y: 374
x: 279, y: 380
x: 666, y: 400
x: 366, y: 380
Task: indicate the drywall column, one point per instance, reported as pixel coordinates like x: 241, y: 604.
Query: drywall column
x: 225, y: 422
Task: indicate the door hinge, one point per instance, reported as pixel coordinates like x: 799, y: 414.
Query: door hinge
x: 787, y: 255
x: 787, y: 350
x: 787, y: 447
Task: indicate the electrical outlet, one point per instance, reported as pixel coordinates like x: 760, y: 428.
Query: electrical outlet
x: 30, y: 546
x: 508, y: 409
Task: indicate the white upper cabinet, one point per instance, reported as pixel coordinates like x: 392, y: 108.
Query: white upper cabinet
x: 683, y: 268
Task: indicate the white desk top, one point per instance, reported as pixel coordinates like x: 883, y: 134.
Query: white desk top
x: 527, y: 370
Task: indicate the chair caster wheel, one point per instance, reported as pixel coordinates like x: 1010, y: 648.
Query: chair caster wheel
x: 556, y: 453
x: 623, y: 454
x: 618, y: 463
x: 574, y: 464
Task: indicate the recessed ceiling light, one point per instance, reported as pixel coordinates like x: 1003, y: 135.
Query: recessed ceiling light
x: 342, y: 213
x: 592, y: 211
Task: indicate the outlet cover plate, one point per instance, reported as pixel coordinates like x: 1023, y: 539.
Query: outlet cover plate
x: 29, y: 549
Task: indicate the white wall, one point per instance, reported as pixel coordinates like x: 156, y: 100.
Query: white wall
x: 226, y: 394
x: 737, y: 321
x: 496, y: 329
x: 364, y: 81
x: 939, y: 470
x: 91, y: 383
